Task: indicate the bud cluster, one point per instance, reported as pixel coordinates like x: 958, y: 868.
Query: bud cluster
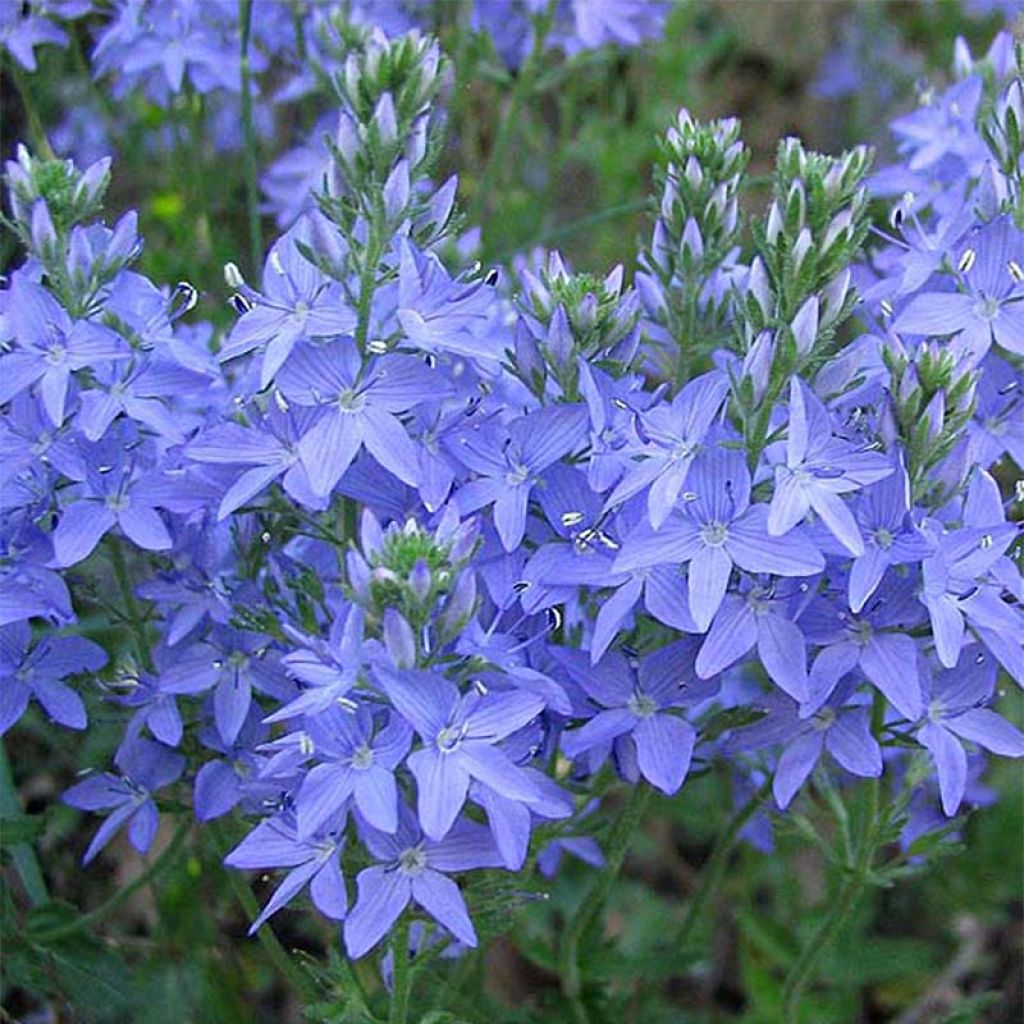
x: 568, y: 317
x: 416, y: 573
x: 50, y: 203
x: 931, y: 401
x: 699, y: 222
x: 697, y: 229
x: 1003, y: 132
x: 384, y: 142
x: 815, y: 226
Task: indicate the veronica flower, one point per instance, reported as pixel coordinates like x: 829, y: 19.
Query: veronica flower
x: 580, y: 552
x: 314, y: 861
x: 761, y: 615
x: 223, y: 783
x: 671, y: 436
x: 145, y: 394
x: 326, y: 671
x: 50, y: 346
x: 841, y: 729
x: 270, y: 449
x: 991, y: 305
x: 716, y: 530
x: 507, y: 464
x: 819, y: 468
x: 891, y: 537
x: 997, y: 428
x: 876, y: 641
x: 638, y: 703
x: 297, y: 302
x: 413, y: 869
x: 356, y: 406
x: 459, y: 733
x: 155, y: 694
x: 355, y: 761
x: 145, y: 768
x: 39, y: 672
x: 110, y: 495
x: 956, y: 587
x: 439, y: 313
x: 956, y: 710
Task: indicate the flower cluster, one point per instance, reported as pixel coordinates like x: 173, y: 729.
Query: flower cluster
x: 416, y: 559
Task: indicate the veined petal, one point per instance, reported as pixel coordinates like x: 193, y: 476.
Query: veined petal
x: 442, y: 782
x: 709, y: 575
x: 440, y: 897
x: 383, y: 894
x: 664, y: 747
x: 950, y: 764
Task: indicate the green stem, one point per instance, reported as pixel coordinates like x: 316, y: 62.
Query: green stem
x: 618, y: 845
x: 368, y: 284
x: 277, y: 954
x: 155, y: 867
x: 524, y: 84
x: 252, y: 195
x: 24, y: 855
x: 35, y: 125
x: 714, y: 869
x: 130, y: 604
x: 804, y: 968
x: 401, y: 988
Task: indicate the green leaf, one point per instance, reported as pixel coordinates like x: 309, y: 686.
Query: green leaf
x: 16, y: 829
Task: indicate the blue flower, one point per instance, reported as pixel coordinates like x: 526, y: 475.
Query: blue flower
x: 413, y: 869
x: 356, y: 761
x: 39, y: 671
x: 459, y: 733
x: 145, y: 768
x: 637, y: 702
x: 716, y: 529
x: 314, y: 861
x: 356, y: 405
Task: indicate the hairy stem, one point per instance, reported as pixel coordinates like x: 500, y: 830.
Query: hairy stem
x: 130, y: 604
x: 803, y: 970
x: 252, y: 195
x: 714, y: 869
x: 618, y: 845
x: 35, y: 124
x: 398, y: 1011
x: 525, y: 82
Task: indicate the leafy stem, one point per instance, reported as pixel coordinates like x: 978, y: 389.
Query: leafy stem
x: 138, y: 627
x: 23, y: 854
x: 252, y: 196
x: 618, y: 845
x: 401, y: 988
x: 524, y: 85
x: 714, y: 869
x: 853, y: 884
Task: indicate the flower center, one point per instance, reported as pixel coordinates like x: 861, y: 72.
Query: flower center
x: 449, y: 738
x: 714, y: 534
x: 350, y: 401
x: 987, y: 309
x: 517, y: 475
x: 641, y: 705
x: 412, y: 861
x: 362, y: 757
x: 883, y: 538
